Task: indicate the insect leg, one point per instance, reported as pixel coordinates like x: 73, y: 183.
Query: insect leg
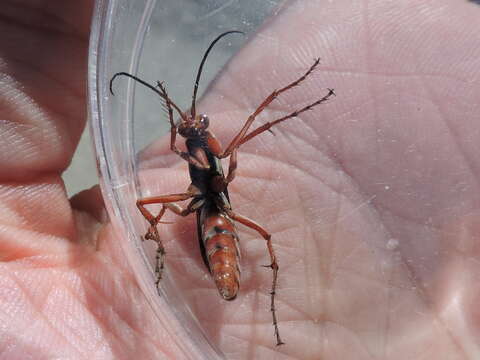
x: 177, y: 209
x: 173, y: 128
x: 162, y: 92
x: 232, y: 166
x: 269, y: 124
x: 273, y: 265
x: 193, y: 206
x: 169, y: 103
x: 164, y: 199
x: 152, y: 233
x: 237, y: 140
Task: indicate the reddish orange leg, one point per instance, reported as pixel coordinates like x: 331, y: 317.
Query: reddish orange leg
x: 269, y: 124
x: 169, y: 104
x: 173, y: 129
x: 152, y: 233
x: 273, y: 263
x: 237, y: 140
x: 194, y: 205
x: 232, y: 166
x: 177, y: 209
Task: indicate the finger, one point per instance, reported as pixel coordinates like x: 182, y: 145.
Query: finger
x: 42, y: 82
x: 42, y: 114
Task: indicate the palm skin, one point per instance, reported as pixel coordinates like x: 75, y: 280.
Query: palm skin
x: 372, y: 199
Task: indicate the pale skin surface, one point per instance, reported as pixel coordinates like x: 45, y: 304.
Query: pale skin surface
x: 372, y: 199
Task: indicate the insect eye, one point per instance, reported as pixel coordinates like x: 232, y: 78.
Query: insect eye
x: 204, y: 121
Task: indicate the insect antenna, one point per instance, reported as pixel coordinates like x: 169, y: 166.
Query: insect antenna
x: 200, y: 68
x: 151, y: 87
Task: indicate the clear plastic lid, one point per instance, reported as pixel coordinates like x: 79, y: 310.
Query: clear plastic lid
x: 165, y: 41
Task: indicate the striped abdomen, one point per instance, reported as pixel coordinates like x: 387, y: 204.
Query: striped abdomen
x: 220, y: 244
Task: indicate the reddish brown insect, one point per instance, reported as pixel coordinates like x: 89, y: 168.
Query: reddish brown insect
x: 208, y: 191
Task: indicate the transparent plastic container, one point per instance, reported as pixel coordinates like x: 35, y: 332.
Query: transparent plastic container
x: 161, y: 40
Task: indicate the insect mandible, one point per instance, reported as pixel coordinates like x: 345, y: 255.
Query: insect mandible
x: 208, y: 191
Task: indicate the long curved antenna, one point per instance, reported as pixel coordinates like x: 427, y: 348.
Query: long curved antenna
x: 200, y: 68
x: 151, y: 87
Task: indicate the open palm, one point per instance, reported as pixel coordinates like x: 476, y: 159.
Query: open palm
x: 372, y: 199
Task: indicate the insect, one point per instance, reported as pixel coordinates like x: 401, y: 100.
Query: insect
x: 208, y: 191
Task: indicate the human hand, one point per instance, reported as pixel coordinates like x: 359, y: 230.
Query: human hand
x: 372, y: 199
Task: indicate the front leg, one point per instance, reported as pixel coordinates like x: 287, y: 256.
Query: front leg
x: 216, y: 149
x: 173, y: 129
x: 232, y: 166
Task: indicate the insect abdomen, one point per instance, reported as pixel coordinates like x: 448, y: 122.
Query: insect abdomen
x: 221, y: 250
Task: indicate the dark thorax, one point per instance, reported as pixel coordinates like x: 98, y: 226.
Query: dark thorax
x: 210, y: 180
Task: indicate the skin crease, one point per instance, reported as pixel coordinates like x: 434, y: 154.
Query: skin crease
x: 372, y: 199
